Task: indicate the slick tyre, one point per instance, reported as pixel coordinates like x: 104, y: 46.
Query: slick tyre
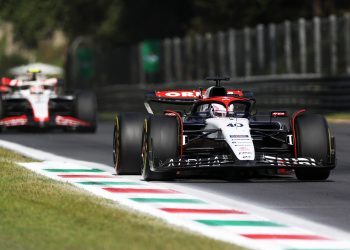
x: 86, y: 110
x: 160, y: 142
x: 312, y: 140
x: 127, y: 143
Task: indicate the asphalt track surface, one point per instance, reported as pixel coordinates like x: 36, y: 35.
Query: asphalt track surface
x: 323, y: 202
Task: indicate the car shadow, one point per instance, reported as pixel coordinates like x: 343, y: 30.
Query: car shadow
x: 265, y: 179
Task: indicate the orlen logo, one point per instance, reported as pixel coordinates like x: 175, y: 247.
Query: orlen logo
x: 190, y: 93
x: 178, y: 94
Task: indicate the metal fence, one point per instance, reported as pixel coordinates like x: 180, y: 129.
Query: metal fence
x: 319, y: 47
x: 320, y: 95
x: 314, y: 48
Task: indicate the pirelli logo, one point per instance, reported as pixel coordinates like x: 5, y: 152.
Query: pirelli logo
x: 284, y: 162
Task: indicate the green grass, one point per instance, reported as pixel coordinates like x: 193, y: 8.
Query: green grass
x: 40, y: 213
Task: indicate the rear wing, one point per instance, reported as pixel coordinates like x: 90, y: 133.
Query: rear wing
x: 18, y: 83
x: 174, y: 96
x: 188, y: 95
x: 182, y: 98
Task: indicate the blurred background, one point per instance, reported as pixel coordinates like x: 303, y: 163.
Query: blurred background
x: 292, y: 53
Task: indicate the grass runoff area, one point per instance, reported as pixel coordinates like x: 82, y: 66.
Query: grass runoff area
x: 39, y: 213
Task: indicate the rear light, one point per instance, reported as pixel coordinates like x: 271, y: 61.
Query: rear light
x: 279, y: 114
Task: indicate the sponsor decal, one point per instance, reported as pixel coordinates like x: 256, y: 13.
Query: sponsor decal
x: 282, y: 162
x: 69, y: 121
x: 237, y: 125
x: 215, y: 161
x: 14, y: 121
x: 239, y: 136
x: 190, y: 93
x: 278, y: 114
x: 245, y: 153
x: 178, y: 94
x: 241, y: 144
x: 243, y: 149
x: 169, y: 114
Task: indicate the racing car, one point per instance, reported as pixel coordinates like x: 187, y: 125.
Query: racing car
x: 34, y: 101
x: 220, y: 131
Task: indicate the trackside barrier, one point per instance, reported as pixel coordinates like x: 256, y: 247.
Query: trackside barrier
x: 318, y: 46
x: 321, y: 95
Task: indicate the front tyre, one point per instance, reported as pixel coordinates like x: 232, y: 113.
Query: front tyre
x: 160, y: 142
x: 312, y: 140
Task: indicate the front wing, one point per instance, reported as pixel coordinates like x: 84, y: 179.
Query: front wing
x: 55, y: 121
x: 224, y: 161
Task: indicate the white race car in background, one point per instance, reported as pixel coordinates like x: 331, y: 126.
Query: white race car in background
x: 35, y: 102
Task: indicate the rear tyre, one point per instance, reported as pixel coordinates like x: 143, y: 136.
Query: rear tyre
x: 160, y: 142
x: 86, y: 110
x: 127, y: 143
x: 313, y: 140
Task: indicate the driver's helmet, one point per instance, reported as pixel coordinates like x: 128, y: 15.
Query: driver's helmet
x: 217, y: 110
x: 32, y: 74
